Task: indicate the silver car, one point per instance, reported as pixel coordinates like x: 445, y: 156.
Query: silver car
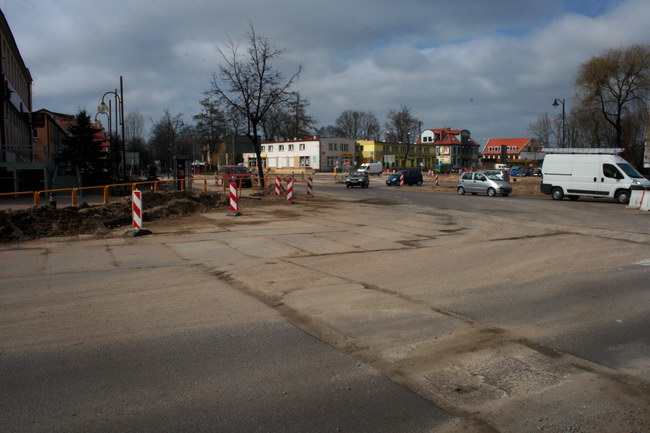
x: 482, y: 183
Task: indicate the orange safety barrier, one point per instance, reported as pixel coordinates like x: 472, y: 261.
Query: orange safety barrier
x: 183, y: 184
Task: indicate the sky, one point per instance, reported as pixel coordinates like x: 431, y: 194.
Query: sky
x: 491, y: 67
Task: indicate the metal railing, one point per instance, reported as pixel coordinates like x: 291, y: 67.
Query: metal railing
x: 182, y: 185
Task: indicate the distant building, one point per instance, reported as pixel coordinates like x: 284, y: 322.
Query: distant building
x: 394, y: 155
x: 510, y: 151
x: 314, y: 152
x: 453, y: 147
x: 16, y: 164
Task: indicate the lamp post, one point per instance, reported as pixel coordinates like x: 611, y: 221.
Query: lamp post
x: 555, y: 104
x: 119, y: 116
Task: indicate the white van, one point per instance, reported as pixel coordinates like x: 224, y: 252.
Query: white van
x: 371, y: 168
x: 595, y: 175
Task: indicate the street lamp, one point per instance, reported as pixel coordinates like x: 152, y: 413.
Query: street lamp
x: 555, y: 104
x: 119, y: 115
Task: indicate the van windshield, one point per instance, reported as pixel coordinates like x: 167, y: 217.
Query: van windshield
x: 630, y: 171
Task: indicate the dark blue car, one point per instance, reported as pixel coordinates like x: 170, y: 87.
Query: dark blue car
x: 411, y: 177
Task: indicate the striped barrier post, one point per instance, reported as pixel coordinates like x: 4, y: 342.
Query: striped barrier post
x: 310, y: 186
x: 234, y: 205
x: 136, y: 204
x: 436, y: 179
x: 401, y: 179
x: 277, y: 186
x: 137, y: 209
x: 290, y: 190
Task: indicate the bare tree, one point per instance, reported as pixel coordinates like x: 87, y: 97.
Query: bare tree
x: 134, y: 126
x: 613, y: 81
x: 250, y: 85
x: 358, y: 125
x: 542, y: 129
x: 165, y: 134
x: 402, y: 127
x: 288, y: 120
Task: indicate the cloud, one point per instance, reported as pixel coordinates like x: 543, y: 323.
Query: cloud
x: 490, y: 67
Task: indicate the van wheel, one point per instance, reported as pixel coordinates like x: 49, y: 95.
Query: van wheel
x: 460, y: 190
x: 557, y: 193
x: 492, y: 192
x: 574, y: 197
x: 623, y: 196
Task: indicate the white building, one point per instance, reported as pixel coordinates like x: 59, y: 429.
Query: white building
x: 321, y: 154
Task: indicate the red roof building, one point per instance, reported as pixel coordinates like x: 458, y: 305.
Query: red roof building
x: 516, y: 150
x: 454, y: 147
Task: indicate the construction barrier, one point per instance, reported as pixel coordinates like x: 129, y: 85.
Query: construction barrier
x: 645, y: 202
x: 401, y: 179
x: 278, y: 186
x: 234, y: 200
x: 310, y: 186
x: 137, y: 209
x: 290, y: 190
x: 636, y: 198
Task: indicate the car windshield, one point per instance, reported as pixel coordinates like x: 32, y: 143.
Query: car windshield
x: 630, y: 171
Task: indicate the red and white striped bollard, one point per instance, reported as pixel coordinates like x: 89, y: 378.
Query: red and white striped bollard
x: 290, y: 190
x: 234, y: 205
x: 310, y: 186
x: 278, y: 183
x: 401, y: 179
x: 137, y: 209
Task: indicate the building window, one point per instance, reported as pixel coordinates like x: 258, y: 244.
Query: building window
x: 304, y: 161
x: 344, y: 146
x: 281, y: 148
x: 331, y: 161
x: 333, y: 146
x: 270, y: 148
x: 290, y: 147
x: 301, y: 146
x: 263, y: 148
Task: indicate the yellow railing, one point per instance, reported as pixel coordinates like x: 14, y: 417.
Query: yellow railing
x: 182, y: 186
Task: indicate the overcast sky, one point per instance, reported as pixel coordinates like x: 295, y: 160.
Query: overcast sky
x: 488, y: 66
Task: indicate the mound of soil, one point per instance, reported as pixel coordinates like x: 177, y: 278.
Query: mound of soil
x: 42, y: 221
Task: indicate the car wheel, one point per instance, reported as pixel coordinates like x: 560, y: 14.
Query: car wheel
x: 347, y: 186
x: 574, y: 197
x: 557, y: 193
x: 491, y: 192
x: 460, y: 190
x: 419, y: 183
x: 623, y: 196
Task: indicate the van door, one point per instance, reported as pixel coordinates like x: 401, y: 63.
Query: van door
x: 610, y: 179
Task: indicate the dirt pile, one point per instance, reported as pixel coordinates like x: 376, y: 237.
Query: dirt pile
x: 41, y: 221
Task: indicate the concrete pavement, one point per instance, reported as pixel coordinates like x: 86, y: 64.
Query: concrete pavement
x: 374, y: 282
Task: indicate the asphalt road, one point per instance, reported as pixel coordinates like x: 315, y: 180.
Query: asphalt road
x: 378, y: 310
x: 598, y: 314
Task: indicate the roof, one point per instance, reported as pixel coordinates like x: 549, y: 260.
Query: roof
x: 449, y: 137
x: 519, y: 143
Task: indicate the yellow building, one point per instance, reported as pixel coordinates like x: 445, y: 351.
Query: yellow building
x: 394, y: 155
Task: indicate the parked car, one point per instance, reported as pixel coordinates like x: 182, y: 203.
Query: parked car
x: 411, y: 177
x: 501, y: 174
x: 481, y: 183
x: 537, y: 172
x: 520, y: 172
x: 237, y: 172
x: 358, y: 178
